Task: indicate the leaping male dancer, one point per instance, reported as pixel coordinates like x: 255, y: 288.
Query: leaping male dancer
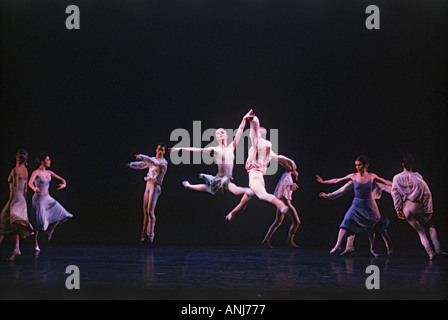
x: 260, y: 154
x: 224, y: 157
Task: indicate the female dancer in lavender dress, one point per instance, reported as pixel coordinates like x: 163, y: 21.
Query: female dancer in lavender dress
x: 45, y: 211
x: 363, y: 215
x: 14, y: 216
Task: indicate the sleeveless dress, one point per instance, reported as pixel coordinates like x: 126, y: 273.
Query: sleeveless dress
x: 45, y: 209
x: 363, y: 215
x: 14, y: 216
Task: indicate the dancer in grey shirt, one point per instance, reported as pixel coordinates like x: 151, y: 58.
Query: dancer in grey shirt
x: 413, y: 203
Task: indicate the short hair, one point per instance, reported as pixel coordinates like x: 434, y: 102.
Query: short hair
x: 408, y: 161
x: 162, y: 144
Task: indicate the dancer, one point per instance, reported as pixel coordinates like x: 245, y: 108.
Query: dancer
x: 157, y: 169
x: 413, y: 203
x: 224, y: 157
x: 283, y: 192
x: 45, y: 211
x: 363, y: 215
x: 260, y: 154
x: 14, y: 216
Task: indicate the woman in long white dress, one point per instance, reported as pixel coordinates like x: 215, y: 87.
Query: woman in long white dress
x: 14, y: 216
x: 45, y: 211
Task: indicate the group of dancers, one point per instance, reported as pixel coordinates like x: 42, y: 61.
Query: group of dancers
x: 46, y: 212
x: 410, y: 193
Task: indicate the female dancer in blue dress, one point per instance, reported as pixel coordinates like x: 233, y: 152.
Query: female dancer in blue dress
x: 45, y: 211
x: 363, y: 215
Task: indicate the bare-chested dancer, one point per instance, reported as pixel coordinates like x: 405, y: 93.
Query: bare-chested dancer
x: 260, y: 154
x: 224, y: 158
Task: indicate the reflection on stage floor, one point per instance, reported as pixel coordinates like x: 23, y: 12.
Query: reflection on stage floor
x: 216, y: 273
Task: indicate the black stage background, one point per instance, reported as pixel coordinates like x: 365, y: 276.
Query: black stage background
x: 137, y: 70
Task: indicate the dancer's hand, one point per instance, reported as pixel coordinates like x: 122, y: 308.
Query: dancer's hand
x: 322, y: 195
x: 295, y: 174
x: 62, y: 186
x: 294, y: 187
x: 401, y: 215
x: 427, y: 217
x: 250, y: 115
x: 319, y: 178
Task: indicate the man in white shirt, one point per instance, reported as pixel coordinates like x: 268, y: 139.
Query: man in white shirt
x: 157, y: 168
x: 413, y: 203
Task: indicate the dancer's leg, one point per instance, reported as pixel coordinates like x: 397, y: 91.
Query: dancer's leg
x: 295, y: 222
x: 435, y: 240
x: 387, y: 242
x: 341, y: 235
x: 236, y: 190
x: 197, y: 187
x: 349, y: 246
x: 154, y: 196
x: 412, y: 210
x: 240, y: 207
x: 372, y: 244
x: 36, y: 244
x: 256, y: 183
x: 146, y: 195
x: 50, y: 233
x: 277, y: 222
x: 16, y: 252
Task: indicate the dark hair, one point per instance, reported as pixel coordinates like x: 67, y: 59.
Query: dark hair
x: 408, y: 161
x: 162, y: 144
x: 41, y: 157
x: 363, y: 159
x: 22, y: 155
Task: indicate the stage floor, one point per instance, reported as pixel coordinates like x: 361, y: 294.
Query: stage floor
x: 218, y: 273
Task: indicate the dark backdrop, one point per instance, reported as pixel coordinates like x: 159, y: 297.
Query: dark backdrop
x: 137, y: 70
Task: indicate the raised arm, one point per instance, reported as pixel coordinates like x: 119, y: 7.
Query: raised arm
x: 240, y: 129
x: 254, y: 127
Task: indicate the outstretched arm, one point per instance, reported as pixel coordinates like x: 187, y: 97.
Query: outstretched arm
x: 335, y: 180
x: 193, y: 149
x: 386, y: 182
x: 338, y: 193
x: 285, y: 162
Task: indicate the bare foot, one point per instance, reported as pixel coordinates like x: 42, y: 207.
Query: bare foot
x: 14, y: 255
x: 335, y: 249
x: 347, y: 251
x: 266, y: 243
